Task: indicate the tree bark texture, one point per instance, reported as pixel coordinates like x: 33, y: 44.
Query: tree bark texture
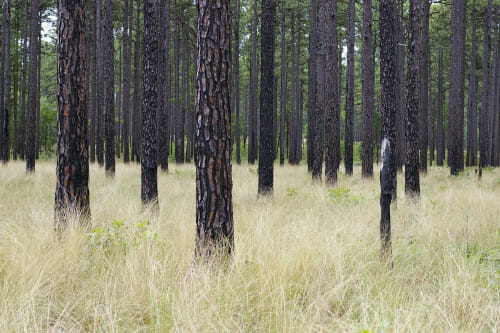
x: 6, y: 82
x: 72, y: 191
x: 252, y: 125
x: 349, y: 100
x: 311, y: 97
x: 457, y: 80
x: 127, y: 57
x: 213, y: 142
x: 440, y: 151
x: 109, y: 87
x: 368, y: 91
x: 283, y: 84
x: 32, y: 90
x: 483, y: 111
x: 424, y: 85
x: 237, y: 81
x: 472, y: 103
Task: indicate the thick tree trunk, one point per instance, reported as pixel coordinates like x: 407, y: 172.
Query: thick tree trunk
x: 266, y: 157
x: 483, y: 111
x: 72, y: 191
x: 149, y: 185
x: 319, y: 117
x: 368, y: 91
x: 349, y: 100
x: 109, y: 87
x: 32, y: 91
x: 412, y: 177
x: 472, y: 104
x: 388, y: 115
x: 252, y: 126
x: 214, y: 207
x: 5, y: 153
x: 424, y: 86
x: 400, y: 153
x: 457, y: 78
x: 332, y: 118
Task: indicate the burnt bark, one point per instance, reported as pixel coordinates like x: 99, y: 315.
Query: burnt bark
x: 332, y: 119
x: 149, y: 185
x: 349, y: 100
x: 388, y: 115
x: 266, y: 154
x: 424, y: 86
x: 72, y: 191
x: 368, y: 91
x: 213, y: 142
x: 32, y: 91
x: 457, y: 78
x: 412, y: 177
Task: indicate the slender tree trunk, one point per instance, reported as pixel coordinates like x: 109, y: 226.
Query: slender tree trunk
x: 388, y: 115
x: 483, y: 111
x: 214, y: 208
x: 283, y: 84
x: 492, y: 116
x: 164, y: 83
x: 93, y: 78
x: 319, y: 118
x: 440, y: 129
x: 252, y: 126
x: 400, y: 87
x: 6, y: 78
x: 472, y: 106
x: 119, y: 99
x: 237, y: 80
x: 266, y: 97
x: 100, y: 85
x: 292, y: 159
x: 137, y: 115
x: 424, y: 85
x: 149, y: 186
x: 457, y: 78
x: 368, y: 88
x: 349, y: 102
x: 31, y: 139
x: 109, y: 90
x: 38, y: 81
x: 412, y: 177
x: 72, y: 191
x: 332, y: 118
x: 23, y: 80
x: 298, y: 122
x: 311, y: 95
x: 127, y: 55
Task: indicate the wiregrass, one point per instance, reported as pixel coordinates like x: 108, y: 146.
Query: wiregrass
x: 306, y: 259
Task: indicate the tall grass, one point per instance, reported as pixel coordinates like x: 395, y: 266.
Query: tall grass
x: 306, y: 259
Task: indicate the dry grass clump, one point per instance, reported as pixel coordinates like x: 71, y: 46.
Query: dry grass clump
x: 306, y: 259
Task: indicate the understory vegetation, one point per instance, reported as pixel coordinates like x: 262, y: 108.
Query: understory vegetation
x: 306, y: 259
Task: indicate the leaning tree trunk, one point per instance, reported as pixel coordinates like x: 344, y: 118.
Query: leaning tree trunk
x: 213, y: 142
x: 332, y: 118
x: 5, y: 154
x: 388, y: 115
x: 72, y: 190
x: 472, y: 106
x: 109, y: 90
x: 349, y: 100
x: 412, y: 177
x: 457, y: 78
x: 266, y: 97
x: 368, y: 91
x: 149, y: 185
x: 32, y: 91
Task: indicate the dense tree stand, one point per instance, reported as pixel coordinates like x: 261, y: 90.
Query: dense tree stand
x: 388, y: 114
x: 72, y: 191
x: 214, y: 206
x: 149, y: 185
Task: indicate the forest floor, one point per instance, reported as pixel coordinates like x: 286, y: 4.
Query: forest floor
x: 306, y: 259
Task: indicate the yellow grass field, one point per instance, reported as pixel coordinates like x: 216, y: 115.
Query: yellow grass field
x: 306, y: 259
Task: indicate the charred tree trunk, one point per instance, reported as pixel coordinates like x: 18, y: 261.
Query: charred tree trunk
x: 72, y: 191
x: 32, y: 91
x: 494, y: 84
x: 349, y: 100
x: 214, y: 207
x: 368, y: 91
x: 412, y: 177
x: 332, y: 118
x: 400, y: 154
x: 472, y: 104
x: 457, y: 78
x: 127, y: 56
x: 388, y: 114
x: 424, y: 86
x: 149, y: 185
x: 266, y: 154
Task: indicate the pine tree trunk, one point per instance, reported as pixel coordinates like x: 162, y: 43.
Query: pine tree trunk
x: 252, y: 126
x: 109, y: 90
x: 471, y: 105
x: 319, y: 117
x: 298, y: 122
x: 100, y: 85
x: 332, y: 119
x: 24, y: 112
x: 368, y: 91
x: 440, y: 129
x: 149, y: 186
x: 349, y: 102
x: 457, y: 78
x: 388, y: 115
x: 32, y: 91
x: 164, y: 84
x: 6, y: 78
x: 412, y: 177
x: 72, y: 191
x: 492, y: 116
x: 424, y: 86
x: 311, y: 103
x: 483, y: 111
x: 214, y: 207
x: 127, y: 55
x: 283, y: 84
x: 400, y: 87
x: 93, y: 78
x: 137, y: 115
x: 237, y: 80
x: 266, y: 157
